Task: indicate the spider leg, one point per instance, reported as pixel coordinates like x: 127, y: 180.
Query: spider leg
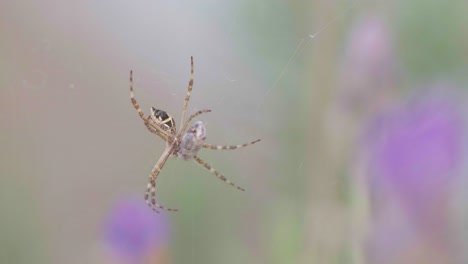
x: 219, y: 175
x: 230, y: 147
x: 153, y: 128
x: 132, y: 98
x: 189, y: 91
x: 182, y: 131
x: 150, y: 194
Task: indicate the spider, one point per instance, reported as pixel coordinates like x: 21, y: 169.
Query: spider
x: 183, y: 144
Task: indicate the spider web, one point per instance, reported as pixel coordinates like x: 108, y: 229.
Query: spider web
x: 303, y: 44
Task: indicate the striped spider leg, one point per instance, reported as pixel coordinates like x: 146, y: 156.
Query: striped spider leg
x: 183, y: 144
x: 160, y: 127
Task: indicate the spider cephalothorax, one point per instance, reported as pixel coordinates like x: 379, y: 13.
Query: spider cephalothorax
x: 192, y: 141
x: 184, y: 144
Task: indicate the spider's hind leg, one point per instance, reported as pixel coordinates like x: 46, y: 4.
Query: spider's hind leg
x: 150, y: 194
x: 132, y: 98
x: 152, y: 127
x: 150, y: 198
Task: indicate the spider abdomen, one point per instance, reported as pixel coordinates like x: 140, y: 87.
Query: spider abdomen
x: 192, y: 141
x: 165, y: 121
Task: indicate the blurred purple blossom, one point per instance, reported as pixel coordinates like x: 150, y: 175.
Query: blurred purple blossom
x: 368, y: 70
x: 370, y: 44
x: 133, y: 232
x: 417, y: 153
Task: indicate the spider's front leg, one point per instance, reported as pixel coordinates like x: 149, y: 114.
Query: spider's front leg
x: 189, y: 91
x: 219, y: 175
x: 229, y: 147
x: 191, y: 142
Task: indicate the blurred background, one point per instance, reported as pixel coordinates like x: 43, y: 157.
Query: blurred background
x: 360, y: 105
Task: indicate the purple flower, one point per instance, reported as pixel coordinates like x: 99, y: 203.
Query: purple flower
x: 368, y: 71
x: 417, y: 153
x: 370, y: 44
x: 132, y: 231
